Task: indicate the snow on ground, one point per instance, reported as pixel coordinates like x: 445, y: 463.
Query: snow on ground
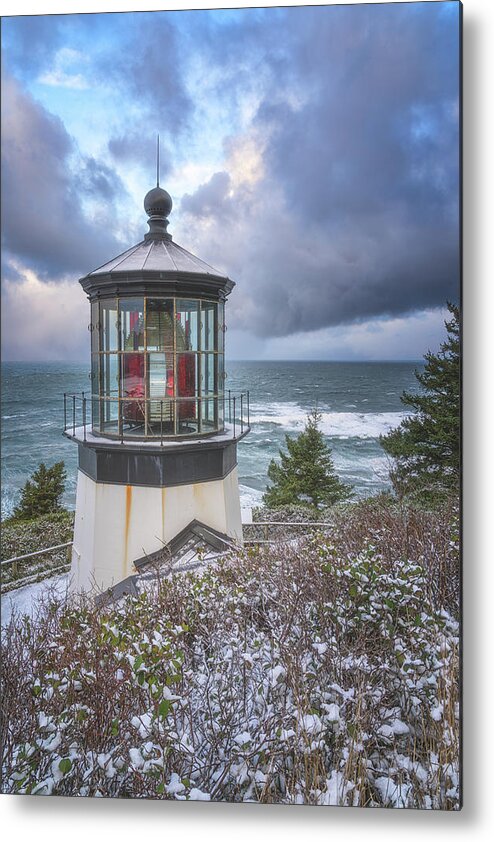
x: 26, y: 600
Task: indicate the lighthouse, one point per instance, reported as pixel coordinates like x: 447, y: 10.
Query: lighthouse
x: 157, y: 433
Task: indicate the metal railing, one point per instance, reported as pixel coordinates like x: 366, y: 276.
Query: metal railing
x: 268, y: 531
x: 75, y: 412
x: 157, y: 419
x: 17, y: 562
x: 238, y: 411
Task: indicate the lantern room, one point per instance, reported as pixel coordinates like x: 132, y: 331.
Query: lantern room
x: 157, y: 338
x: 157, y: 366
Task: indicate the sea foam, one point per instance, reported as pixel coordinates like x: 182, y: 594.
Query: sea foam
x: 291, y: 416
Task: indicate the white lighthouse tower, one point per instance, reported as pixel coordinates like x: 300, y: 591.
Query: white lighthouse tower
x: 157, y: 437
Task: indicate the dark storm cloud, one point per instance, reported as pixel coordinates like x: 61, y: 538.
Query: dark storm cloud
x: 27, y: 40
x: 210, y: 199
x: 357, y: 213
x: 148, y: 68
x: 43, y: 221
x: 96, y: 179
x: 375, y: 128
x: 134, y: 147
x: 143, y: 60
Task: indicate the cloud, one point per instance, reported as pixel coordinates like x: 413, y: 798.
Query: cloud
x: 211, y: 198
x: 400, y: 338
x: 28, y: 40
x: 98, y: 180
x: 147, y: 69
x: 62, y: 72
x: 138, y: 148
x: 355, y: 215
x: 43, y: 220
x: 57, y: 315
x: 313, y: 154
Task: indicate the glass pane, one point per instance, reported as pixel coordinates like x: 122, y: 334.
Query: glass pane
x: 209, y: 413
x: 109, y: 420
x: 108, y: 325
x: 109, y: 375
x: 133, y: 417
x: 95, y: 412
x: 133, y: 376
x: 208, y: 326
x: 221, y: 327
x: 186, y: 385
x: 208, y: 379
x: 187, y: 421
x: 159, y: 324
x: 187, y: 325
x: 160, y: 411
x: 94, y: 326
x: 132, y: 324
x: 160, y: 376
x: 160, y: 391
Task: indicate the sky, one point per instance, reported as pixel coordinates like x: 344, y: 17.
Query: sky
x: 312, y: 154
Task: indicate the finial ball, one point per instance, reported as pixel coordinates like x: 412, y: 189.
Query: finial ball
x: 158, y: 202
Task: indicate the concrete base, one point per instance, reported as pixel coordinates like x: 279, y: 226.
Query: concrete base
x: 117, y: 524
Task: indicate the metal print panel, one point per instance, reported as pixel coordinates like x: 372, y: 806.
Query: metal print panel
x: 231, y: 559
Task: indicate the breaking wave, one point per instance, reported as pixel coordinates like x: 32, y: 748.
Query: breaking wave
x: 364, y: 425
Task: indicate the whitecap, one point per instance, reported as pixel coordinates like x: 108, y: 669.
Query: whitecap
x: 249, y: 497
x: 291, y: 416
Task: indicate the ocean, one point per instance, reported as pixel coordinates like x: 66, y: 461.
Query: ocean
x: 357, y: 401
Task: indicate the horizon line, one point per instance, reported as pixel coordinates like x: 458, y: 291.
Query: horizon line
x: 238, y: 360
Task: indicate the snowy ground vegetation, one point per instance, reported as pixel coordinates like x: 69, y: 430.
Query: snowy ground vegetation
x: 322, y: 671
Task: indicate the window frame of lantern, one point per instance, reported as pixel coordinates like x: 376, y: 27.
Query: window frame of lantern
x: 214, y: 309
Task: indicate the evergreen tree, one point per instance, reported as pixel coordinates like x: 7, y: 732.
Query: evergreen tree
x: 306, y: 473
x: 42, y: 492
x: 426, y: 445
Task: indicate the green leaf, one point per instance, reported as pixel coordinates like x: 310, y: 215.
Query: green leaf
x: 163, y: 708
x: 65, y: 765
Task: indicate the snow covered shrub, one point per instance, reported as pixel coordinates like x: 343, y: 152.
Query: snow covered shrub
x: 301, y: 673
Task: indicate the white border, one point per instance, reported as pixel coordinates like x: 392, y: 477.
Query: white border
x: 41, y: 819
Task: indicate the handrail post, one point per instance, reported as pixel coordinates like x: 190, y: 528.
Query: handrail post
x: 234, y: 402
x: 161, y: 421
x: 73, y: 415
x: 242, y: 413
x: 64, y: 412
x: 229, y: 406
x: 84, y: 414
